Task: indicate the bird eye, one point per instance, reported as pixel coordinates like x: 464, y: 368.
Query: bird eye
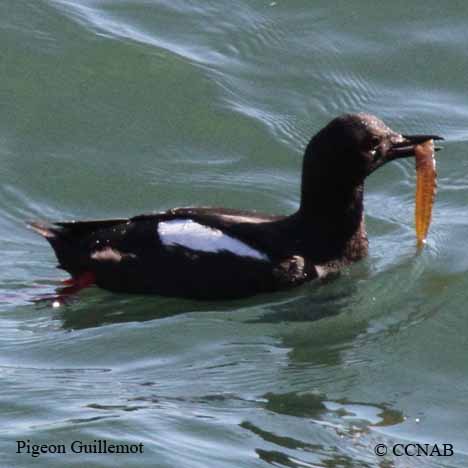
x: 375, y: 141
x: 372, y: 144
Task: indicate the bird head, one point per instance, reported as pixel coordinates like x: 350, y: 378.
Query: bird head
x: 353, y: 146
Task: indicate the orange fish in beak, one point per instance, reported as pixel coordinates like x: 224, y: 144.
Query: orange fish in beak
x: 426, y: 186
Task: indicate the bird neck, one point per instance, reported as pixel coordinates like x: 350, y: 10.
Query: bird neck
x: 332, y: 216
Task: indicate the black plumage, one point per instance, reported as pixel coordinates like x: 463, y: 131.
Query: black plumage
x: 324, y: 234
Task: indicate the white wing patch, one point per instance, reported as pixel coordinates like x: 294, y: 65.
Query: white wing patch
x: 195, y: 236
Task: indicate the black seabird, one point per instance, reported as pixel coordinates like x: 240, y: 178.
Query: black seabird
x: 218, y: 253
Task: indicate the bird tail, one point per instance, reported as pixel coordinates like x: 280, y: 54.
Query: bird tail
x: 67, y: 249
x: 44, y: 230
x: 68, y: 239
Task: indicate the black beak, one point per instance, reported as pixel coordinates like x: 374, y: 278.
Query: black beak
x: 404, y: 148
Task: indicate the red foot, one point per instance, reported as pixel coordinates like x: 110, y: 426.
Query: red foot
x: 70, y: 287
x: 68, y: 282
x: 77, y: 283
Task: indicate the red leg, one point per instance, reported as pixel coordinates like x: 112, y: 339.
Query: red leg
x: 68, y: 282
x: 70, y: 287
x: 77, y: 283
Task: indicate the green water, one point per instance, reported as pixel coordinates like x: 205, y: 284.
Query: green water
x: 117, y: 107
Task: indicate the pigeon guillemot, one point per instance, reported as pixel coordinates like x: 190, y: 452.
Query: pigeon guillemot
x: 218, y: 253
